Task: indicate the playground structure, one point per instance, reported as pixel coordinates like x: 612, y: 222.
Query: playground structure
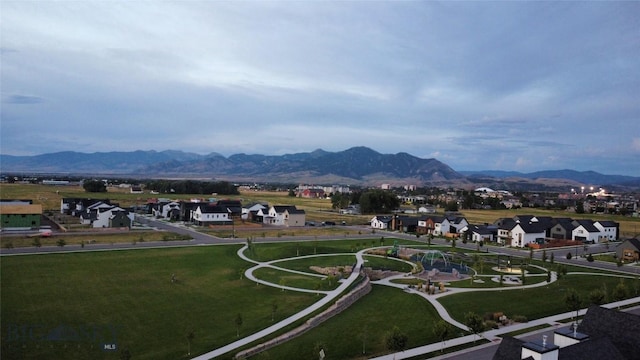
x: 394, y: 250
x: 438, y: 263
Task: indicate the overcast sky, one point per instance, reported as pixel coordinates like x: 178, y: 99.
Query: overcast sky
x: 519, y: 86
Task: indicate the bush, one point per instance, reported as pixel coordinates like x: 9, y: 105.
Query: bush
x: 590, y: 258
x: 519, y: 318
x: 569, y: 256
x: 490, y: 324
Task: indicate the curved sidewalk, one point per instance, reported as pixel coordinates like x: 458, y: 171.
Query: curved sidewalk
x: 331, y: 296
x: 433, y: 299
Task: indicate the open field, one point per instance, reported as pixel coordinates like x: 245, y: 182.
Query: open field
x: 97, y: 237
x: 132, y: 292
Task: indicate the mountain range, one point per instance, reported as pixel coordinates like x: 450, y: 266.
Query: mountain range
x: 357, y: 165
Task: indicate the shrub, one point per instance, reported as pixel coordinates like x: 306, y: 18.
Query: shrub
x: 519, y: 318
x: 490, y: 324
x: 590, y: 258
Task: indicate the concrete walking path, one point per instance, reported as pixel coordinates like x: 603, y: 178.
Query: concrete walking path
x: 330, y: 297
x: 492, y: 335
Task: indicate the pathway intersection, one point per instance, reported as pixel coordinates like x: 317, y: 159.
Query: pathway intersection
x: 330, y: 296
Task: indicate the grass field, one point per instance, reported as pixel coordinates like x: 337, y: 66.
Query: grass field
x: 368, y: 321
x: 536, y: 302
x: 132, y: 292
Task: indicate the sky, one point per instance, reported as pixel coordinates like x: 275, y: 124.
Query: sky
x: 518, y: 86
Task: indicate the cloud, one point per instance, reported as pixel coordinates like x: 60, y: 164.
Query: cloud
x: 23, y: 99
x: 477, y: 85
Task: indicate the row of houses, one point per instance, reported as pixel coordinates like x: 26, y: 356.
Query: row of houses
x: 97, y: 213
x: 224, y: 212
x: 519, y: 231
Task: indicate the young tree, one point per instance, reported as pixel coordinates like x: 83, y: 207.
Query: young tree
x: 274, y: 308
x: 441, y: 330
x: 620, y: 291
x: 475, y: 324
x: 573, y: 301
x: 190, y: 336
x: 396, y: 340
x: 598, y: 296
x: 238, y: 322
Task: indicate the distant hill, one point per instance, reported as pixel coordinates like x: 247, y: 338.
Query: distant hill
x: 99, y: 162
x: 357, y: 165
x: 582, y: 177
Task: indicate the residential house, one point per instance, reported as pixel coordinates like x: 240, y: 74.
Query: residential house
x: 562, y: 230
x: 283, y: 215
x: 20, y: 215
x: 457, y: 224
x: 113, y: 216
x: 602, y: 334
x: 312, y: 193
x: 167, y: 210
x: 406, y: 224
x: 250, y: 212
x: 484, y: 233
x: 629, y: 250
x: 90, y: 213
x: 527, y: 233
x: 381, y: 222
x: 75, y: 206
x: 205, y: 215
x: 234, y: 206
x: 608, y: 230
x: 585, y: 231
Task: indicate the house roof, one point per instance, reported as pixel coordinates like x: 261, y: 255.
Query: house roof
x: 607, y: 223
x: 613, y: 335
x: 21, y: 209
x: 622, y: 328
x: 587, y: 225
x: 289, y: 208
x: 633, y: 242
x: 213, y: 209
x: 531, y: 227
x: 482, y: 230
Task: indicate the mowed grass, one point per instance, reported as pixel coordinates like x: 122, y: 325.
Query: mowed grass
x: 368, y: 320
x: 132, y: 292
x: 537, y: 302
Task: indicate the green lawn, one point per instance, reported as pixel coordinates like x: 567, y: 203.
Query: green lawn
x: 536, y: 302
x: 285, y: 278
x: 321, y: 261
x: 370, y: 319
x: 132, y: 292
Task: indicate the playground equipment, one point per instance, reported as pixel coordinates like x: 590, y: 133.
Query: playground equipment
x: 394, y: 250
x: 432, y: 256
x: 437, y: 260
